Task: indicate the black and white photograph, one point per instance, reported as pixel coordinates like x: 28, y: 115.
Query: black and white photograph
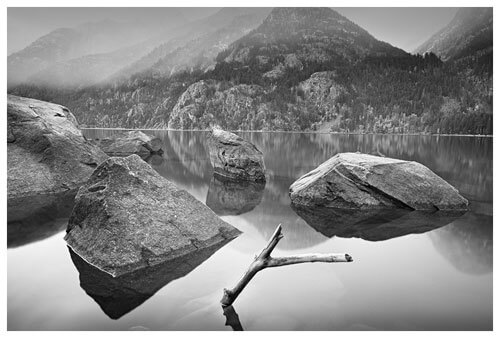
x: 248, y: 166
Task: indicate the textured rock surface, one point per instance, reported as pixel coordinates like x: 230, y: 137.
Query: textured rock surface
x: 233, y: 157
x: 131, y: 142
x: 206, y: 102
x: 229, y: 197
x: 360, y: 181
x: 46, y: 152
x: 128, y: 217
x: 374, y: 224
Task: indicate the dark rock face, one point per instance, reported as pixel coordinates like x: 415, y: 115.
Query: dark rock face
x: 374, y: 224
x: 127, y: 217
x: 360, y: 181
x: 119, y: 295
x: 233, y: 157
x: 229, y: 197
x: 33, y: 218
x: 46, y: 152
x: 131, y: 142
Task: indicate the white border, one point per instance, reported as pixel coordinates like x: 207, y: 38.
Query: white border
x: 227, y: 3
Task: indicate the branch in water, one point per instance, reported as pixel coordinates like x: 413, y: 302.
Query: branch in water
x: 264, y: 260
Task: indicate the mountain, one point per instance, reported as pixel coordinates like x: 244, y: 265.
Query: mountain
x: 469, y: 32
x: 201, y: 39
x: 318, y: 35
x: 301, y: 69
x: 93, y: 38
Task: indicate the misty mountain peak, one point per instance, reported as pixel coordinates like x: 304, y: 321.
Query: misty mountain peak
x: 317, y: 20
x: 470, y: 31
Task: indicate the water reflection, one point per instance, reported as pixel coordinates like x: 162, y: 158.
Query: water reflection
x: 232, y: 318
x: 467, y: 243
x: 230, y: 197
x: 119, y: 295
x: 33, y: 218
x: 373, y: 225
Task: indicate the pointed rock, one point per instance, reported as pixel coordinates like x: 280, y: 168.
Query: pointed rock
x: 233, y: 157
x: 127, y: 217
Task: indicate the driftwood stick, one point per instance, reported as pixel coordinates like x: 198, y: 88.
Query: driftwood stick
x: 264, y: 260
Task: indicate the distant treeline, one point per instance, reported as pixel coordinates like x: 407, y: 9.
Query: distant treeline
x: 411, y: 94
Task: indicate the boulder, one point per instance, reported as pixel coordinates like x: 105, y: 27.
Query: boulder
x: 131, y: 142
x: 230, y: 197
x: 127, y: 217
x: 233, y: 157
x: 46, y: 152
x: 361, y: 181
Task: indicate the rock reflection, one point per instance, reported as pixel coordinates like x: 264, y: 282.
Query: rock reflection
x: 154, y: 160
x: 230, y: 197
x: 374, y: 225
x: 33, y: 218
x: 467, y: 243
x: 275, y: 209
x: 119, y: 295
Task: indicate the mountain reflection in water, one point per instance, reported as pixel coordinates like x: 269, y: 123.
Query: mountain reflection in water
x: 467, y: 243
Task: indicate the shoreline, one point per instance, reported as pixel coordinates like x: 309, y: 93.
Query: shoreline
x: 295, y: 132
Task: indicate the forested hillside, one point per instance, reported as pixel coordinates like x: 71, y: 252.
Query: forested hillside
x: 300, y: 70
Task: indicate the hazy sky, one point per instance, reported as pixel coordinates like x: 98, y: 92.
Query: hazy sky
x: 405, y: 28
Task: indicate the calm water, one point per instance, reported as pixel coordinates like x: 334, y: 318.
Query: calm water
x: 437, y: 280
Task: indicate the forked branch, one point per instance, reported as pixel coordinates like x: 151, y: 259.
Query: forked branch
x: 264, y: 260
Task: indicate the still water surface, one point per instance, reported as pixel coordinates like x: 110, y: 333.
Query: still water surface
x: 437, y: 280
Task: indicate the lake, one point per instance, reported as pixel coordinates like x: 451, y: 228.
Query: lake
x: 434, y: 278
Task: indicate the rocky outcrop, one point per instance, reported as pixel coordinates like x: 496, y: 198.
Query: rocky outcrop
x: 210, y: 102
x: 131, y: 142
x: 322, y: 90
x: 230, y: 197
x: 360, y: 181
x: 46, y: 152
x: 127, y: 217
x: 233, y: 157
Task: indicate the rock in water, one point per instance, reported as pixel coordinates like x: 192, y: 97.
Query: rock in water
x: 131, y: 142
x: 127, y: 217
x: 360, y: 181
x: 233, y: 157
x: 46, y: 152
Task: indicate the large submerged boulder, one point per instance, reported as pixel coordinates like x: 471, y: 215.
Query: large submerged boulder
x: 131, y: 142
x: 360, y: 181
x: 233, y: 157
x: 127, y: 217
x: 46, y: 152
